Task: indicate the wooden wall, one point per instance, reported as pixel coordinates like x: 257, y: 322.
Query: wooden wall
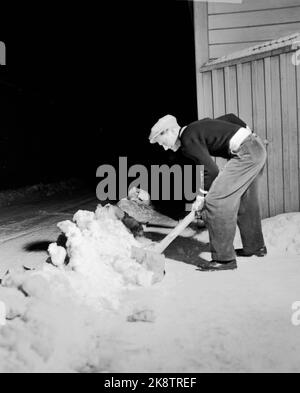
x: 266, y: 94
x: 233, y: 27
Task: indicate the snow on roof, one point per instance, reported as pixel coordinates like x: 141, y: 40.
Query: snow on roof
x: 292, y: 41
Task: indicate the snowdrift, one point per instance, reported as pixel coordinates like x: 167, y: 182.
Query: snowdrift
x: 282, y: 234
x: 55, y: 315
x: 99, y: 256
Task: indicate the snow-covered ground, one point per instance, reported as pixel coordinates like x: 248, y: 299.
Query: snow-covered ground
x: 236, y: 321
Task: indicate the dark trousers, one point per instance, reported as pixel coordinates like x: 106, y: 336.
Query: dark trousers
x: 234, y: 200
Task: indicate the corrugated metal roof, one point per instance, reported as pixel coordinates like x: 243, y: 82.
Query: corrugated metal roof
x: 289, y: 41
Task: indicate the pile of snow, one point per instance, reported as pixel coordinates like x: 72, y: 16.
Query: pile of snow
x: 282, y: 234
x: 99, y: 256
x: 56, y: 316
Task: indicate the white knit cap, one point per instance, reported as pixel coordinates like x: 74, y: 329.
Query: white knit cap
x: 163, y: 124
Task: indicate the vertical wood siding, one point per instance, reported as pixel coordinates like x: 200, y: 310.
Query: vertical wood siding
x: 266, y: 94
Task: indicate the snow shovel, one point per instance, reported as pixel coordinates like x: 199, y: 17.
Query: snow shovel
x: 153, y: 259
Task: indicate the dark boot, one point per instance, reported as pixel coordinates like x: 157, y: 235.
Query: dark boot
x: 215, y: 266
x: 262, y: 252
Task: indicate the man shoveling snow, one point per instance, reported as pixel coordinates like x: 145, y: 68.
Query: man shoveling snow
x: 233, y: 197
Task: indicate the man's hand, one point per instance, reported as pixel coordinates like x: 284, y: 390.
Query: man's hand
x: 199, y: 204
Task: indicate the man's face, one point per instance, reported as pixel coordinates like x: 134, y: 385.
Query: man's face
x: 167, y: 139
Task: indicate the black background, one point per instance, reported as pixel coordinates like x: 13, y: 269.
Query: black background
x: 84, y: 84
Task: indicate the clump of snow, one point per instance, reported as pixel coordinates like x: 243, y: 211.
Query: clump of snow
x: 140, y: 196
x: 142, y: 316
x: 58, y: 254
x: 282, y: 234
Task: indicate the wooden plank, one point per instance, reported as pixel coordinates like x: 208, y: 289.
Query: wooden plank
x: 219, y: 102
x: 231, y: 97
x: 244, y: 83
x: 201, y: 49
x: 259, y: 126
x: 274, y: 135
x: 257, y: 18
x: 201, y: 101
x: 252, y: 34
x: 290, y: 134
x: 218, y: 92
x: 249, y: 5
x: 216, y: 51
x: 207, y: 92
x: 201, y: 33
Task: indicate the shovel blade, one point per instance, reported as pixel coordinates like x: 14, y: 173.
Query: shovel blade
x: 152, y: 261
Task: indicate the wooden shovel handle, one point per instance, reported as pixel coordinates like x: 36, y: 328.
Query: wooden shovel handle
x: 160, y: 248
